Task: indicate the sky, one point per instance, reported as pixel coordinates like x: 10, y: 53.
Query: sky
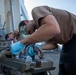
x: 68, y: 5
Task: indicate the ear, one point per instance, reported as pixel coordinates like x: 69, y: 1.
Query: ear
x: 26, y: 21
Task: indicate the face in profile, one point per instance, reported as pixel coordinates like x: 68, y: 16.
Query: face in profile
x: 27, y: 29
x: 11, y: 37
x: 30, y: 28
x: 22, y: 29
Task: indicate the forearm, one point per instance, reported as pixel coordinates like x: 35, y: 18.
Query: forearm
x: 42, y: 34
x: 49, y: 46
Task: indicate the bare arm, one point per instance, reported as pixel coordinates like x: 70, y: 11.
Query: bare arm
x: 48, y: 29
x: 49, y: 46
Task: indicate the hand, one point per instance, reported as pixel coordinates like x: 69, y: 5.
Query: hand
x: 38, y: 50
x: 30, y: 27
x: 34, y: 49
x: 30, y: 51
x: 16, y: 47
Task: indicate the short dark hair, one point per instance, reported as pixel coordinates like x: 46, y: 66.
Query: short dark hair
x: 7, y: 36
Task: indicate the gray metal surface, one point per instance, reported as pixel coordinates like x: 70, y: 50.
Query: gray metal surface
x: 13, y: 63
x: 23, y: 66
x: 44, y: 63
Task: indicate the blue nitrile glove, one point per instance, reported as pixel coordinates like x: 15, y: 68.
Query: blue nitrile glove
x: 31, y: 51
x: 16, y: 47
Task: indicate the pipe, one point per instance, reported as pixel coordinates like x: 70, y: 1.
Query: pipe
x: 11, y: 9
